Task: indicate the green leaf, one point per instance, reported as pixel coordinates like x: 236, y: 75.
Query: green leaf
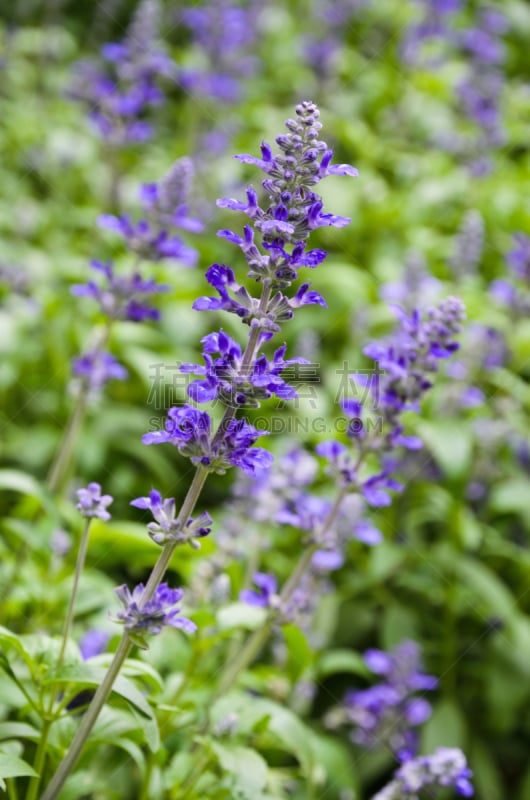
x: 78, y: 676
x: 271, y: 718
x: 495, y: 596
x: 336, y: 661
x: 14, y: 767
x: 241, y: 615
x: 451, y: 443
x: 511, y: 496
x: 446, y: 727
x: 21, y: 482
x: 335, y: 759
x: 18, y: 730
x: 300, y: 654
x: 247, y: 768
x: 399, y: 623
x: 8, y: 638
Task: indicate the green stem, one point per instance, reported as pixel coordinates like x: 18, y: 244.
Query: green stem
x: 66, y: 449
x: 105, y: 688
x: 11, y: 789
x: 194, y: 776
x: 81, y: 556
x: 65, y: 452
x: 87, y: 723
x: 250, y: 649
x: 144, y: 791
x: 40, y: 758
x: 253, y: 645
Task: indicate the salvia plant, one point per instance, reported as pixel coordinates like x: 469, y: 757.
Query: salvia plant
x: 362, y: 466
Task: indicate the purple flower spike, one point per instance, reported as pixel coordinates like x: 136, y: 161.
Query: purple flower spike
x: 92, y: 503
x: 119, y: 89
x: 387, y: 713
x: 293, y: 209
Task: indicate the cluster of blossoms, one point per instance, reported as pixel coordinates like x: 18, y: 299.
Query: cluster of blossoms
x: 274, y: 247
x: 388, y: 712
x: 191, y: 432
x: 225, y: 35
x: 95, y: 369
x: 166, y: 527
x: 406, y: 364
x: 142, y: 618
x: 445, y: 768
x: 480, y: 91
x: 128, y: 297
x: 123, y: 297
x: 91, y: 503
x: 166, y: 210
x: 120, y: 88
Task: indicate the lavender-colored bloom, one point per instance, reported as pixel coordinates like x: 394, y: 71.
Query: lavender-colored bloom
x: 152, y: 616
x: 92, y: 503
x: 167, y: 528
x: 122, y: 86
x: 387, y: 713
x: 265, y: 595
x: 445, y: 768
x: 93, y: 643
x: 515, y: 296
x: 123, y: 297
x: 226, y: 35
x: 294, y: 210
x: 327, y: 560
x: 235, y: 299
x: 148, y: 240
x: 189, y: 430
x: 166, y: 210
x: 168, y: 200
x: 96, y: 368
x: 322, y: 50
x: 228, y: 379
x: 405, y: 364
x: 478, y: 93
x: 60, y: 542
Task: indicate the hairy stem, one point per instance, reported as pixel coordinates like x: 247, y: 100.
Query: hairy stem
x: 65, y: 451
x: 40, y: 758
x: 80, y: 563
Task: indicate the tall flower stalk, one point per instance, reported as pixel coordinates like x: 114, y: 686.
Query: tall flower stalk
x: 238, y: 376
